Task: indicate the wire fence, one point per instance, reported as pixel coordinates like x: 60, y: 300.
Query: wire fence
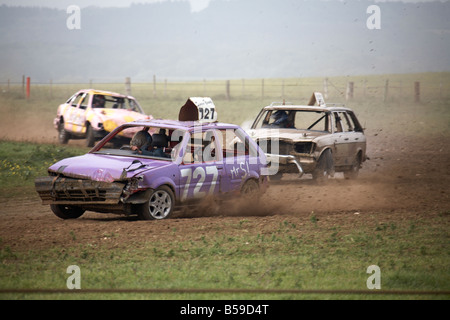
x: 421, y: 88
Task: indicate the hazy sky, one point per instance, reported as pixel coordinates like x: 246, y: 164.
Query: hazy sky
x: 412, y: 38
x: 196, y: 5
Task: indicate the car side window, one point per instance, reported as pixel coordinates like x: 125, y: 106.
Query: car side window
x: 337, y: 122
x: 117, y: 103
x: 132, y: 105
x: 354, y: 121
x: 232, y: 144
x: 201, y: 148
x: 75, y: 99
x: 346, y: 122
x: 84, y: 101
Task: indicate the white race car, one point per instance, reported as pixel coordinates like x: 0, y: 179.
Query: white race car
x: 92, y: 114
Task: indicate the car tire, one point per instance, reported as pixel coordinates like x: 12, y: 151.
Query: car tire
x: 159, y: 205
x: 63, y: 135
x: 324, y: 168
x: 354, y: 171
x: 250, y: 190
x: 90, y: 139
x: 66, y: 212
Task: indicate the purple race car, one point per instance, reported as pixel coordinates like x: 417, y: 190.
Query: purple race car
x: 167, y: 164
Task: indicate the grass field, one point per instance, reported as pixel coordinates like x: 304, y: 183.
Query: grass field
x: 292, y: 255
x: 317, y: 250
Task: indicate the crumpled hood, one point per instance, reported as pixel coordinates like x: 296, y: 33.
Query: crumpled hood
x: 106, y: 168
x: 285, y: 134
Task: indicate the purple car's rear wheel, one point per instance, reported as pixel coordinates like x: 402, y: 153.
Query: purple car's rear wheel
x: 250, y: 190
x: 159, y: 206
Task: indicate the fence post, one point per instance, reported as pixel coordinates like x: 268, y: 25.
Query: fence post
x: 386, y: 86
x: 349, y: 92
x: 128, y: 86
x: 417, y: 91
x: 325, y: 88
x: 28, y: 87
x: 227, y: 89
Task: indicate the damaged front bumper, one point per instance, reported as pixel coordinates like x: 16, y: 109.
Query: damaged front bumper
x: 284, y: 160
x: 72, y: 191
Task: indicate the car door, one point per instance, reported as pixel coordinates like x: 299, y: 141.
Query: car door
x: 239, y: 159
x: 201, y: 168
x: 350, y: 140
x: 341, y: 139
x: 77, y: 117
x: 355, y: 135
x: 69, y: 112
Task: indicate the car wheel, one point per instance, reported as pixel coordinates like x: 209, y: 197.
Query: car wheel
x: 63, y: 135
x: 66, y: 212
x: 354, y: 171
x: 159, y: 206
x: 324, y: 168
x: 90, y: 139
x: 250, y: 190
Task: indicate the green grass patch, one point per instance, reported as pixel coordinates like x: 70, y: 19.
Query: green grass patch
x: 292, y: 255
x: 22, y: 162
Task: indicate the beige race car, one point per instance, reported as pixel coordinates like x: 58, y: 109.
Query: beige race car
x: 310, y: 139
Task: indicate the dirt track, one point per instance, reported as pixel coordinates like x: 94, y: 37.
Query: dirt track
x: 406, y: 178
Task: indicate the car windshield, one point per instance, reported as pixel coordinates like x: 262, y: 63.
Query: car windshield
x: 294, y: 119
x: 141, y: 141
x: 112, y: 102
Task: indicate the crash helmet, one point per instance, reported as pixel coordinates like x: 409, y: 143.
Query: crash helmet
x: 141, y: 138
x: 279, y: 116
x: 99, y: 100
